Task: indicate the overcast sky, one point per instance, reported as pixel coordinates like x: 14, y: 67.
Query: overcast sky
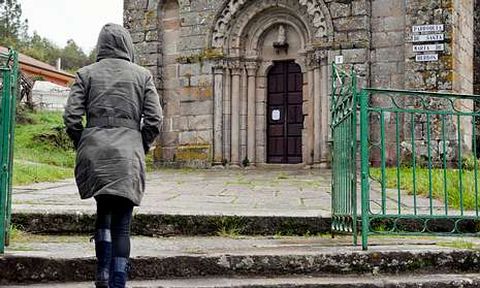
x: 80, y: 20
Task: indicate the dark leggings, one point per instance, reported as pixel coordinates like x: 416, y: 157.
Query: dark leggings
x: 115, y: 213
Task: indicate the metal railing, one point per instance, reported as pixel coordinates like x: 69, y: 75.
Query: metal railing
x: 9, y: 89
x: 418, y: 162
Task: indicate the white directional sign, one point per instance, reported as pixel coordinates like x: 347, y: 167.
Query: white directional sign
x: 428, y: 37
x: 426, y: 57
x: 428, y: 28
x: 428, y: 47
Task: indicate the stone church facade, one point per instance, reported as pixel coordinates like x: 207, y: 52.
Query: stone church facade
x: 247, y: 82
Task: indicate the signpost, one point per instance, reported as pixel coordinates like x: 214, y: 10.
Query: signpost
x: 426, y: 57
x: 428, y: 28
x: 428, y: 37
x: 428, y: 47
x: 428, y: 33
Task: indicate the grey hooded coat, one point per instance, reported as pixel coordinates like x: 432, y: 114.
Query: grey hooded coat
x: 123, y: 116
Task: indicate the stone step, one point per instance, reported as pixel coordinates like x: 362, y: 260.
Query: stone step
x: 34, y: 259
x: 175, y: 225
x: 389, y: 281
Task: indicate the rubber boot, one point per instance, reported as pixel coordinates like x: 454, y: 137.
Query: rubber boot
x: 118, y: 272
x: 103, y: 251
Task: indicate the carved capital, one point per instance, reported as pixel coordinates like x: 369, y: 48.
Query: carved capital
x: 252, y: 68
x: 321, y: 55
x: 315, y: 59
x: 236, y: 67
x: 219, y: 67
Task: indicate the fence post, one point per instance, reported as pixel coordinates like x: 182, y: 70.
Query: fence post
x: 3, y: 159
x: 15, y: 76
x: 365, y: 189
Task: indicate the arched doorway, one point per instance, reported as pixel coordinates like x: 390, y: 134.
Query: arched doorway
x: 284, y: 113
x: 258, y: 41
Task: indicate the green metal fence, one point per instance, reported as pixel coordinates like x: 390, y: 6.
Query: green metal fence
x: 417, y: 161
x: 9, y: 88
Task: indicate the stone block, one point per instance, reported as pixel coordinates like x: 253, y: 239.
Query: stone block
x: 359, y: 38
x: 338, y: 10
x: 355, y: 55
x: 192, y: 43
x: 383, y: 8
x: 351, y: 23
x: 194, y: 30
x: 197, y: 18
x: 196, y: 107
x: 360, y: 8
x: 169, y: 138
x: 138, y: 37
x: 152, y: 35
x: 388, y: 39
x: 135, y: 4
x: 390, y: 54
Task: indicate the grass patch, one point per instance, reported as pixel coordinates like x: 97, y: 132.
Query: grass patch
x: 458, y: 244
x: 423, y: 186
x: 42, y: 150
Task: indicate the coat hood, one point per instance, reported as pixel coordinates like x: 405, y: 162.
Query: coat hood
x: 114, y: 41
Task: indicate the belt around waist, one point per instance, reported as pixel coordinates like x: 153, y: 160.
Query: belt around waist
x: 113, y: 122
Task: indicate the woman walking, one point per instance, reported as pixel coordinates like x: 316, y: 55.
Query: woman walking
x: 123, y: 116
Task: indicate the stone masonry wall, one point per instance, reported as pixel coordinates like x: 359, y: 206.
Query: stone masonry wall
x: 388, y: 40
x: 176, y: 59
x: 452, y: 73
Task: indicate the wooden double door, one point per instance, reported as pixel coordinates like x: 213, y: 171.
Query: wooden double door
x: 285, y: 113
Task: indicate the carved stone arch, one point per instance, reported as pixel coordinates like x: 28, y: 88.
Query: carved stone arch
x: 257, y: 17
x: 258, y: 32
x: 264, y: 68
x: 314, y: 10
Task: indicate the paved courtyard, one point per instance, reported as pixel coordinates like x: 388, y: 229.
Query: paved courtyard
x: 254, y: 192
x: 258, y: 192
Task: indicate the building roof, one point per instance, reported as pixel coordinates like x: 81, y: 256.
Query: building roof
x: 29, y: 61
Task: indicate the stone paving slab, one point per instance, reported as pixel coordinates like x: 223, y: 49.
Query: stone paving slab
x: 424, y: 281
x: 259, y: 192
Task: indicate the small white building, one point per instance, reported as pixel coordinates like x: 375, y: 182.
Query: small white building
x: 49, y: 96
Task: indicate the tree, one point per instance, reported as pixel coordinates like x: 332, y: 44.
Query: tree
x: 12, y: 28
x: 73, y: 57
x: 41, y: 49
x: 92, y: 57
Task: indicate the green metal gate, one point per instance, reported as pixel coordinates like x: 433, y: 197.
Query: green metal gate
x: 9, y: 88
x: 417, y: 162
x: 344, y: 151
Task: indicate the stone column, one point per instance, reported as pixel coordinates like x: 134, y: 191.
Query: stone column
x: 218, y: 89
x: 325, y: 110
x: 251, y: 111
x: 310, y: 121
x: 235, y: 142
x: 227, y: 116
x: 317, y: 130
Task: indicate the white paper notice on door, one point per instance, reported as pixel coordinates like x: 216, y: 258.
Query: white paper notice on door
x: 275, y: 115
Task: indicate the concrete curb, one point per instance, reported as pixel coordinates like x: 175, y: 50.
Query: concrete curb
x: 22, y: 269
x: 175, y: 225
x: 386, y: 281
